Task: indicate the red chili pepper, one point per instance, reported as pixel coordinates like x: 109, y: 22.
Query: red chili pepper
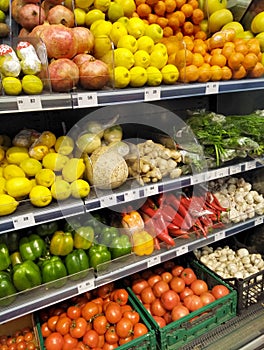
x: 179, y: 233
x: 162, y: 231
x: 156, y: 243
x: 172, y: 200
x: 172, y: 226
x: 214, y: 202
x: 203, y: 229
x: 168, y: 212
x: 146, y: 209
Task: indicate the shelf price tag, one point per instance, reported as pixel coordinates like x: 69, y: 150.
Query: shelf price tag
x: 86, y: 286
x: 219, y: 236
x: 210, y: 175
x: 250, y: 165
x: 87, y: 100
x: 155, y: 260
x: 197, y: 178
x: 108, y: 201
x: 23, y: 221
x: 259, y: 221
x: 235, y: 169
x: 152, y: 94
x: 131, y: 195
x: 151, y: 190
x: 222, y: 172
x: 28, y: 102
x: 212, y: 88
x: 181, y: 250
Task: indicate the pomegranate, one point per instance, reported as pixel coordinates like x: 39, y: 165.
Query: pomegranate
x: 64, y: 74
x: 81, y: 58
x: 94, y: 74
x: 31, y: 15
x: 60, y: 14
x: 35, y: 32
x: 16, y: 6
x: 59, y: 40
x: 23, y: 33
x: 84, y: 38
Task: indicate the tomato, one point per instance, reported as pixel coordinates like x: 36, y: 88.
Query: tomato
x: 111, y: 336
x: 28, y: 336
x: 147, y: 307
x: 124, y: 327
x: 13, y: 346
x: 125, y: 308
x: 177, y: 270
x: 187, y: 291
x: 157, y: 308
x: 125, y: 340
x: 133, y: 316
x: 138, y: 285
x: 78, y: 327
x: 31, y: 346
x: 160, y: 321
x: 73, y: 312
x: 54, y: 341
x: 101, y: 341
x: 177, y: 284
x: 178, y: 312
x: 139, y: 330
x: 147, y: 295
x: 207, y: 298
x: 11, y: 341
x: 69, y: 342
x: 91, y: 338
x: 220, y: 291
x: 193, y: 302
x: 89, y: 310
x: 169, y: 299
x: 19, y: 338
x: 63, y: 325
x: 3, y: 339
x: 153, y: 279
x: 100, y: 324
x: 146, y: 274
x: 188, y: 275
x: 3, y: 347
x: 105, y: 290
x: 52, y: 321
x: 113, y: 312
x: 159, y: 288
x: 166, y: 276
x: 22, y: 345
x: 109, y: 346
x: 167, y: 317
x: 121, y: 296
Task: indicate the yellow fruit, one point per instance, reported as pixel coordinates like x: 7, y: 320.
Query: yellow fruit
x: 124, y: 20
x: 60, y: 190
x: 160, y: 47
x: 7, y: 204
x: 138, y: 76
x: 102, y: 5
x: 129, y: 42
x: 260, y: 38
x: 218, y: 19
x: 12, y: 86
x: 54, y: 161
x: 79, y: 15
x: 128, y: 6
x: 136, y: 27
x: 30, y: 166
x: 73, y: 169
x: 2, y: 185
x: 45, y: 177
x: 114, y: 12
x: 101, y: 27
x: 238, y: 28
x: 38, y: 152
x: 158, y: 59
x: 33, y: 182
x: 118, y: 30
x: 32, y: 85
x: 88, y: 142
x: 142, y: 58
x: 154, y: 76
x: 210, y: 6
x: 145, y: 43
x: 247, y: 34
x: 40, y: 196
x: 257, y: 24
x: 83, y: 4
x: 64, y: 145
x: 18, y: 187
x: 170, y: 74
x: 92, y: 16
x: 13, y: 170
x: 102, y: 46
x: 121, y: 77
x: 47, y: 138
x: 123, y: 57
x: 15, y: 155
x: 154, y: 31
x: 80, y: 188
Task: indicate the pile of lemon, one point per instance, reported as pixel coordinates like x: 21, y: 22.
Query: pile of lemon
x: 44, y: 171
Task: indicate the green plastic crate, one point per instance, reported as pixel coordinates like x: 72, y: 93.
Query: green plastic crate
x: 145, y: 342
x: 185, y: 330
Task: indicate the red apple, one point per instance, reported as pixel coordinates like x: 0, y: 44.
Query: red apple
x: 60, y: 14
x: 84, y: 38
x: 31, y: 15
x: 64, y: 74
x: 81, y: 58
x: 94, y: 74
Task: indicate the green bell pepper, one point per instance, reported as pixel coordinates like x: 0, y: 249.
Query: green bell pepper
x: 61, y: 243
x: 6, y: 288
x: 16, y: 258
x: 11, y: 239
x: 47, y: 229
x: 76, y: 261
x: 96, y: 221
x: 31, y: 247
x: 107, y: 235
x: 120, y: 246
x: 5, y: 260
x: 53, y: 269
x: 98, y: 254
x: 83, y: 237
x: 26, y: 275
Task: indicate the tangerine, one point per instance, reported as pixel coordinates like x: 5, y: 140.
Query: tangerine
x: 253, y: 46
x: 204, y: 73
x: 181, y: 17
x: 162, y: 22
x: 160, y: 8
x: 226, y: 73
x: 194, y: 3
x: 198, y: 59
x: 191, y: 73
x: 207, y: 57
x: 218, y: 60
x: 187, y: 9
x: 197, y: 16
x: 216, y: 73
x: 239, y: 73
x: 138, y: 2
x: 143, y: 10
x: 200, y: 35
x: 250, y: 61
x: 167, y: 32
x: 173, y: 22
x: 235, y: 60
x: 151, y: 2
x: 257, y: 71
x: 243, y: 48
x: 171, y: 58
x: 180, y: 3
x: 189, y: 44
x: 187, y: 28
x: 228, y: 49
x: 170, y: 5
x: 152, y: 18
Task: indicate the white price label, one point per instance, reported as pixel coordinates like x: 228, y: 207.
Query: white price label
x: 250, y: 165
x: 222, y: 172
x: 153, y: 261
x: 181, y: 250
x: 197, y: 179
x: 211, y: 88
x: 152, y: 94
x: 151, y: 190
x: 131, y: 195
x: 29, y: 102
x: 259, y: 221
x: 210, y: 175
x: 23, y: 221
x: 87, y: 100
x: 108, y: 201
x: 86, y: 286
x: 219, y: 235
x: 235, y: 169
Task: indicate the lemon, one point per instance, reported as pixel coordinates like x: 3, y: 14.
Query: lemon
x: 102, y: 5
x: 142, y: 58
x: 154, y: 76
x: 73, y: 169
x: 2, y: 154
x: 7, y: 204
x: 260, y: 38
x: 123, y: 20
x: 18, y: 187
x: 114, y: 12
x: 257, y: 24
x: 40, y: 196
x: 121, y: 77
x: 160, y: 47
x: 145, y: 43
x: 128, y: 6
x: 136, y: 27
x: 138, y: 76
x: 54, y: 161
x: 218, y: 19
x: 101, y: 27
x: 92, y: 16
x: 4, y: 5
x: 170, y: 74
x: 45, y: 177
x: 2, y: 16
x: 12, y: 86
x: 129, y: 42
x: 30, y: 166
x: 47, y: 138
x: 64, y: 145
x: 80, y: 188
x: 3, y: 163
x: 15, y: 154
x: 123, y: 57
x: 238, y: 28
x: 2, y: 185
x: 158, y: 59
x: 33, y: 182
x: 60, y: 190
x: 13, y: 170
x: 83, y: 4
x: 79, y: 15
x: 102, y: 46
x: 154, y: 31
x: 118, y: 30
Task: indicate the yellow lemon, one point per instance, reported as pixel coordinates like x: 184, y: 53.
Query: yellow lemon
x: 93, y: 15
x: 13, y: 170
x: 7, y: 204
x: 123, y: 57
x: 136, y: 27
x: 60, y: 190
x: 12, y: 86
x: 45, y: 177
x: 115, y: 11
x: 32, y: 85
x: 47, y: 138
x: 118, y: 30
x: 64, y: 145
x: 257, y: 24
x: 102, y: 5
x: 101, y: 27
x: 129, y: 42
x: 160, y: 47
x: 83, y: 4
x: 154, y: 31
x: 138, y: 76
x: 73, y: 169
x: 121, y: 77
x: 218, y: 19
x: 102, y: 46
x: 142, y: 58
x: 79, y: 15
x: 145, y: 43
x: 80, y: 188
x: 40, y: 196
x: 2, y: 185
x: 30, y: 166
x: 18, y: 187
x: 38, y: 151
x: 170, y: 74
x: 128, y: 6
x: 15, y: 154
x: 154, y: 76
x: 54, y: 161
x: 33, y: 182
x: 158, y: 59
x: 238, y: 28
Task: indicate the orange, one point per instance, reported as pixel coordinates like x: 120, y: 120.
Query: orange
x: 216, y: 73
x: 243, y: 48
x: 218, y: 59
x: 250, y: 60
x: 171, y: 58
x: 138, y: 2
x: 173, y: 22
x: 226, y: 73
x: 152, y: 18
x: 189, y: 44
x: 216, y: 51
x: 216, y: 41
x: 183, y: 57
x: 143, y: 10
x: 257, y: 71
x: 235, y: 60
x: 187, y: 28
x: 197, y: 16
x: 160, y: 8
x: 253, y: 46
x: 187, y: 9
x: 191, y: 73
x: 230, y: 34
x: 193, y: 3
x: 198, y: 59
x: 239, y: 73
x: 181, y: 17
x: 199, y: 49
x: 204, y: 73
x: 179, y: 3
x: 167, y: 32
x: 151, y: 2
x: 170, y: 5
x: 200, y: 35
x: 172, y: 47
x: 228, y: 49
x: 162, y: 22
x: 207, y: 58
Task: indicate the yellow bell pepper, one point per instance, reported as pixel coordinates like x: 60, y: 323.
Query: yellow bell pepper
x: 143, y: 243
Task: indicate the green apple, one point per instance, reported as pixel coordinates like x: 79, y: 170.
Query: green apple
x: 154, y: 31
x: 129, y: 42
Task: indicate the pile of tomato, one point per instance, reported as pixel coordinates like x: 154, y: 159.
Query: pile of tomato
x: 103, y: 319
x: 22, y: 339
x: 172, y: 291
